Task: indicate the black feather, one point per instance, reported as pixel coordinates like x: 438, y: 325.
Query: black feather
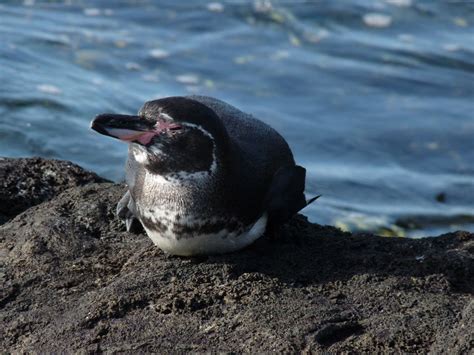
x: 285, y: 197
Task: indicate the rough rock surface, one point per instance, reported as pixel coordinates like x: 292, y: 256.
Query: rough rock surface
x: 74, y: 280
x: 27, y: 182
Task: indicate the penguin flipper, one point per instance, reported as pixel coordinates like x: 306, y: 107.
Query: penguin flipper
x: 285, y: 197
x: 125, y: 211
x: 122, y: 205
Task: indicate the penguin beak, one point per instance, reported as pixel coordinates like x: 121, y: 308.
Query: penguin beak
x: 124, y: 127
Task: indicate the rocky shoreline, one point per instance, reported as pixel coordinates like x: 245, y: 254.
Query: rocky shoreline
x: 74, y: 280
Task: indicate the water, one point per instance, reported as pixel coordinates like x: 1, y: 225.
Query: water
x: 374, y: 97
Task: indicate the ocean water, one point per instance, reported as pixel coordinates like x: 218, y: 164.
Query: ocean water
x: 376, y: 98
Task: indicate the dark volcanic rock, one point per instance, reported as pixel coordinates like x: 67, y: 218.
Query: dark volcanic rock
x: 74, y: 280
x: 27, y: 182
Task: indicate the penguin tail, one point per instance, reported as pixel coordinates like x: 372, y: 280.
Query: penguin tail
x: 311, y: 200
x: 307, y: 202
x: 285, y: 196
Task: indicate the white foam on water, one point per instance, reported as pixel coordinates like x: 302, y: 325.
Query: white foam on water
x: 377, y: 20
x: 49, y: 89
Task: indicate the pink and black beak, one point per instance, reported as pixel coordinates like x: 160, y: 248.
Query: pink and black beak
x: 131, y: 129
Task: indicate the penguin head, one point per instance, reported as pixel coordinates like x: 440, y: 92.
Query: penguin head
x: 170, y: 135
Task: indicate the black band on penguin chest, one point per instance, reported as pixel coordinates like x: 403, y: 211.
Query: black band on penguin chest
x: 184, y: 231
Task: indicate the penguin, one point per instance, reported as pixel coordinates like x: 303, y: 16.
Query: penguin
x: 204, y: 177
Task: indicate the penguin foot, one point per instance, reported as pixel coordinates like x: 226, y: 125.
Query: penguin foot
x: 133, y: 225
x: 122, y: 206
x: 125, y: 209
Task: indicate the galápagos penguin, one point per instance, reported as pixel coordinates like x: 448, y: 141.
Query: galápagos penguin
x: 203, y: 177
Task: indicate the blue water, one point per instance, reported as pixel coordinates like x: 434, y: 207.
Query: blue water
x: 374, y: 97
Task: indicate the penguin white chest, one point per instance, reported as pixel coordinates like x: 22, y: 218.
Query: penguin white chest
x: 187, y: 235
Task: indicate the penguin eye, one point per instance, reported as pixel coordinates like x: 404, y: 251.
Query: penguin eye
x: 175, y: 129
